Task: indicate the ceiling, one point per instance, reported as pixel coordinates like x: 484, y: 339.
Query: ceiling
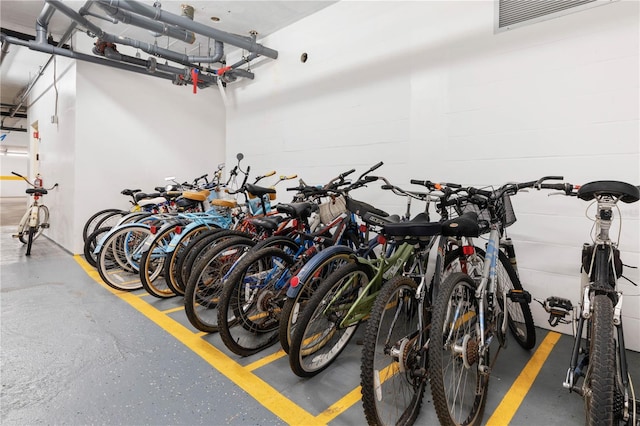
x: 238, y: 17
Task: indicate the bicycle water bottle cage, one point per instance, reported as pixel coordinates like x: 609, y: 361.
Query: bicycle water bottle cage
x: 558, y: 308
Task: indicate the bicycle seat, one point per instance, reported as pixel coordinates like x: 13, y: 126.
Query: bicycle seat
x: 298, y: 210
x: 627, y: 192
x: 221, y: 202
x: 417, y: 227
x: 267, y: 223
x: 129, y: 191
x: 196, y: 195
x: 40, y: 191
x: 259, y: 191
x: 465, y: 225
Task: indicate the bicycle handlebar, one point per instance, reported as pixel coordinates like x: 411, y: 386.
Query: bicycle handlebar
x: 27, y: 180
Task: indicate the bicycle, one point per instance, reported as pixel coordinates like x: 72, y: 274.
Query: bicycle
x: 36, y: 219
x: 474, y: 309
x: 606, y: 385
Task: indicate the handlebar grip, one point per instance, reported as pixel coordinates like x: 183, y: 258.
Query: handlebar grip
x: 452, y: 185
x: 484, y: 193
x: 288, y: 177
x: 345, y: 174
x: 387, y: 187
x: 271, y: 173
x: 371, y: 178
x: 377, y: 166
x: 17, y: 174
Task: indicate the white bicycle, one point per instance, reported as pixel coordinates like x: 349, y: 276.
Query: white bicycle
x: 36, y: 219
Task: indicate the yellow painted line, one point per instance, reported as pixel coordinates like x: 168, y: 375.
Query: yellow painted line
x: 514, y: 397
x: 172, y: 310
x: 10, y: 178
x: 266, y: 360
x: 257, y: 388
x: 340, y: 407
x: 201, y: 333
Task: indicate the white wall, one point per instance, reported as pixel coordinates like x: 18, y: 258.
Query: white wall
x: 118, y: 130
x: 431, y: 90
x: 13, y: 141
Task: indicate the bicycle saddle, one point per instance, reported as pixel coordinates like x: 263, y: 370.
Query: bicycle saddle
x: 41, y: 191
x: 417, y: 227
x: 129, y: 191
x: 465, y: 225
x: 627, y: 192
x: 259, y: 191
x: 361, y: 208
x: 267, y: 223
x: 298, y: 210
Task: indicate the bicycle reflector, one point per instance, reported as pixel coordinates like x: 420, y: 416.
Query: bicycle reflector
x: 294, y: 281
x: 382, y: 240
x: 468, y: 250
x: 178, y: 230
x: 153, y: 229
x: 363, y: 228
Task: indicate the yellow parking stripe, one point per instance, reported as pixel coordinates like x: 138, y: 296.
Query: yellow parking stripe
x: 172, y: 310
x: 10, y: 178
x: 266, y: 360
x: 340, y: 407
x: 261, y: 391
x: 514, y: 397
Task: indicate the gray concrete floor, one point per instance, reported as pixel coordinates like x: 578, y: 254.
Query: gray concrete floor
x: 74, y: 353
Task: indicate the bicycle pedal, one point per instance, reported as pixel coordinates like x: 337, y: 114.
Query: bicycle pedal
x: 45, y: 225
x: 519, y: 296
x: 16, y: 235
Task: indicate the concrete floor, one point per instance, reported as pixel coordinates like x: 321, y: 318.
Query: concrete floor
x: 74, y: 352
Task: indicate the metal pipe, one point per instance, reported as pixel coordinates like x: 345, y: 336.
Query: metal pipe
x: 4, y: 51
x: 247, y: 43
x: 218, y: 53
x: 147, y: 24
x: 103, y: 35
x: 47, y: 48
x: 42, y: 22
x: 13, y: 129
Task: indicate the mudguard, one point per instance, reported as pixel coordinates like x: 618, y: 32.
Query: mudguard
x: 314, y: 262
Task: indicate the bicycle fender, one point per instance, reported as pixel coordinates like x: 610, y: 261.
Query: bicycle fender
x: 175, y: 240
x: 112, y: 231
x: 313, y: 263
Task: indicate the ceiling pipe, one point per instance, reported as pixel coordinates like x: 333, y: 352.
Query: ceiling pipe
x: 47, y: 48
x: 147, y: 24
x: 13, y: 129
x: 145, y: 47
x: 4, y: 51
x: 155, y: 13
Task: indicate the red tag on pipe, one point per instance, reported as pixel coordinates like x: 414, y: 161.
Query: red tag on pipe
x: 194, y: 77
x: 223, y: 70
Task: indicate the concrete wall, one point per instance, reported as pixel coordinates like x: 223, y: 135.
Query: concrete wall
x: 118, y: 130
x: 431, y: 90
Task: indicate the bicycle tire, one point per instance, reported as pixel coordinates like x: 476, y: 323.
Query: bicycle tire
x: 317, y: 339
x: 92, y: 223
x: 251, y: 300
x: 600, y: 379
x: 174, y: 257
x: 152, y: 264
x: 457, y: 295
x: 393, y: 372
x: 91, y: 243
x: 205, y: 285
x: 113, y: 264
x: 32, y: 231
x: 196, y: 254
x: 520, y: 320
x: 294, y: 306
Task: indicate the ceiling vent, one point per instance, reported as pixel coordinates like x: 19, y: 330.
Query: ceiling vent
x: 515, y: 13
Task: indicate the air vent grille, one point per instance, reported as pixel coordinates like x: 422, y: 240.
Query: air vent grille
x: 513, y: 12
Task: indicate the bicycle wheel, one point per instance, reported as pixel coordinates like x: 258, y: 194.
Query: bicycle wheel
x: 171, y: 263
x: 600, y: 378
x: 179, y: 257
x: 520, y: 320
x: 152, y: 263
x: 293, y: 306
x: 251, y: 301
x: 393, y: 372
x: 458, y: 387
x: 91, y: 243
x: 118, y: 249
x: 199, y: 251
x: 205, y: 285
x: 318, y: 337
x: 92, y: 223
x: 32, y: 232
